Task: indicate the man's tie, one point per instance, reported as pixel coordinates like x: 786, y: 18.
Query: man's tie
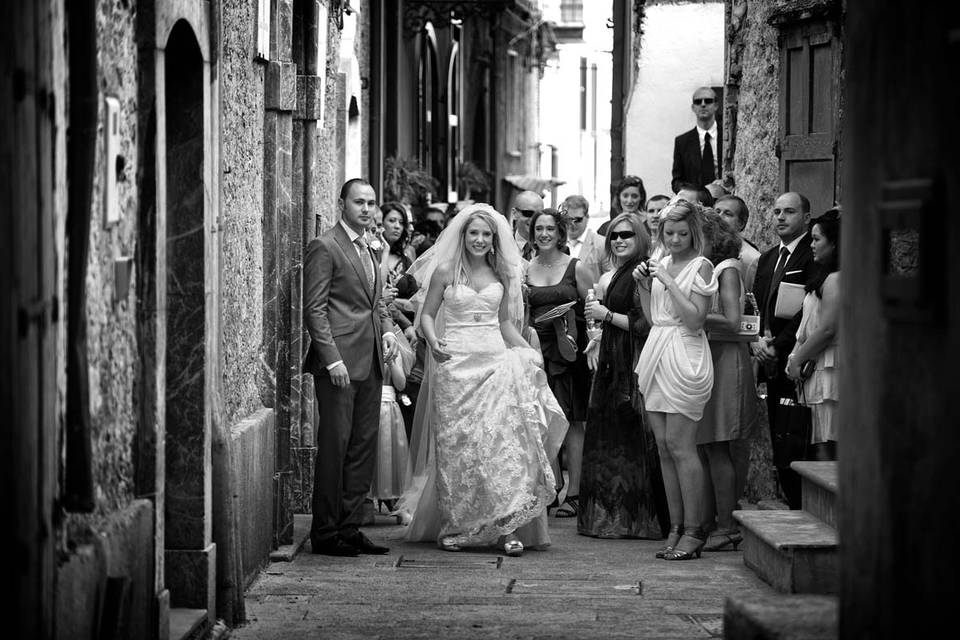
x: 365, y: 260
x: 707, y: 168
x: 781, y: 265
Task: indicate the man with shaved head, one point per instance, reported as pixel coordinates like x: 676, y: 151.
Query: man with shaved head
x: 525, y: 204
x: 696, y: 153
x: 789, y: 261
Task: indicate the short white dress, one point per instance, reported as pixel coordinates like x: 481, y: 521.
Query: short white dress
x: 820, y: 391
x: 675, y: 370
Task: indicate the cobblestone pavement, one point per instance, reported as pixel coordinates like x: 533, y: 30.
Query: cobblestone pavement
x: 578, y: 588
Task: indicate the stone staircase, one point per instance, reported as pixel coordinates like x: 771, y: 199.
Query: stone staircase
x: 796, y: 552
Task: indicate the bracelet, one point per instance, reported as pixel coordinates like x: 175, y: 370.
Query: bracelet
x: 607, y: 319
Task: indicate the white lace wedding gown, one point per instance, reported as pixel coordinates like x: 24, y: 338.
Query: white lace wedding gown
x: 496, y: 427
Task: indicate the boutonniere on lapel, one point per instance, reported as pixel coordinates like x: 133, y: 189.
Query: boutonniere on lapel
x: 376, y: 245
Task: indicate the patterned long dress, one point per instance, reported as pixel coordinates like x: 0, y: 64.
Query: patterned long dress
x: 621, y: 489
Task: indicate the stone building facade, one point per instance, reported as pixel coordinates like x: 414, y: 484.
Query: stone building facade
x: 156, y: 317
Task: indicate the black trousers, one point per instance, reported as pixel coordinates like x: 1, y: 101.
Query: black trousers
x: 790, y: 426
x: 346, y: 444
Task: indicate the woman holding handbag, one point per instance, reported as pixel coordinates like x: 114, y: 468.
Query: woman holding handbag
x: 556, y: 285
x: 813, y: 362
x: 731, y: 412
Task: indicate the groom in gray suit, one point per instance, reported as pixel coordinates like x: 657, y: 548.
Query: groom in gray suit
x: 350, y: 336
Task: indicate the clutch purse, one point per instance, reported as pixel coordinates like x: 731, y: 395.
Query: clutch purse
x: 749, y: 331
x: 789, y: 300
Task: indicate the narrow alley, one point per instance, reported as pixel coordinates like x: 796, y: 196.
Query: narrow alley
x: 578, y: 588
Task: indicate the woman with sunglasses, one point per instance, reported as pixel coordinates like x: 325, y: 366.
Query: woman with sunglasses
x: 621, y: 495
x: 675, y: 371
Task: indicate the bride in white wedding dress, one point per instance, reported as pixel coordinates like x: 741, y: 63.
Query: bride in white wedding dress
x: 487, y: 423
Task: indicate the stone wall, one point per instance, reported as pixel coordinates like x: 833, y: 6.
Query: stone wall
x: 241, y: 211
x: 111, y: 325
x: 754, y: 65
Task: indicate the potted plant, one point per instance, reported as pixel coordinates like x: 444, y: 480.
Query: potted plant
x: 404, y: 180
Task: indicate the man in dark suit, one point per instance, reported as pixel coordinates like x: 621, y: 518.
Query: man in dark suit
x: 791, y: 261
x: 350, y: 336
x: 697, y: 153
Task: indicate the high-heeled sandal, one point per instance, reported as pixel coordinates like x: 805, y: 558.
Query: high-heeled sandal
x: 448, y: 543
x: 723, y: 540
x: 672, y: 538
x: 512, y: 546
x: 694, y: 541
x: 569, y: 509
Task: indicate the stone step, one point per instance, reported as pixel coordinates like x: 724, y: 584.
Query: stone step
x: 188, y: 624
x: 791, y: 550
x: 780, y: 617
x: 819, y: 488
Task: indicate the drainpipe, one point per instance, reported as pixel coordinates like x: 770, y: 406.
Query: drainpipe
x: 78, y: 495
x: 621, y: 24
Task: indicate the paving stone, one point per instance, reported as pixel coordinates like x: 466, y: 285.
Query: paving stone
x: 579, y: 587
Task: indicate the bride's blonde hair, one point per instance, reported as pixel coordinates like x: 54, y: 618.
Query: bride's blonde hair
x: 493, y: 257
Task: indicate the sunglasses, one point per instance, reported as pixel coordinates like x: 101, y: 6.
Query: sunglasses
x: 702, y: 101
x: 526, y: 213
x: 617, y: 235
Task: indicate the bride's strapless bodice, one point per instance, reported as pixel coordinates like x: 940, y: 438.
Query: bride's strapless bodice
x: 463, y: 306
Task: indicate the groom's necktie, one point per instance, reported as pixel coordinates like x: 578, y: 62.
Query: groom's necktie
x: 365, y: 260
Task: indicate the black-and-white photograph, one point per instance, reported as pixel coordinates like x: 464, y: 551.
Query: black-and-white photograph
x: 479, y: 319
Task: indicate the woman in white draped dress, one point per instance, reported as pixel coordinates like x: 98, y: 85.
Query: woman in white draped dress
x: 489, y: 424
x: 675, y: 369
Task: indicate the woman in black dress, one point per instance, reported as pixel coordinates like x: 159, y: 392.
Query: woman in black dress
x: 556, y: 285
x: 621, y: 491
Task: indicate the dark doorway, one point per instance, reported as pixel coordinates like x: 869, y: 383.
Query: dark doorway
x: 187, y: 448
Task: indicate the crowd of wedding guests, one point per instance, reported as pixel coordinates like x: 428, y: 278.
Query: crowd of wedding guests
x: 656, y: 337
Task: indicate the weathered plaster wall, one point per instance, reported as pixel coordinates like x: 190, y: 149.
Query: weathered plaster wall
x: 756, y: 168
x: 241, y: 210
x: 111, y: 338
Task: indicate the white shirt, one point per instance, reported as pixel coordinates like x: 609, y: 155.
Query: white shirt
x: 713, y: 143
x: 575, y: 245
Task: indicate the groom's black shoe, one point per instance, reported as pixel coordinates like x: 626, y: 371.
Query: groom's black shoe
x: 363, y: 544
x: 335, y: 546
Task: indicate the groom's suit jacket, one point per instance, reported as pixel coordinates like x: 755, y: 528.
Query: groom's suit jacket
x: 344, y: 318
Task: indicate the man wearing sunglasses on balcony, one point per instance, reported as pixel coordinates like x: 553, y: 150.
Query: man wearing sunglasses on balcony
x: 582, y: 242
x: 697, y: 153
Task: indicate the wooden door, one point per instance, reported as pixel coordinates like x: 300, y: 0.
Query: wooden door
x: 809, y: 101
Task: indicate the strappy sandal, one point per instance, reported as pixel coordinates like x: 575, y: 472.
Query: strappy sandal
x: 569, y: 509
x: 723, y: 540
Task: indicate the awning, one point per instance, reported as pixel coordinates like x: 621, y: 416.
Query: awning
x: 534, y: 183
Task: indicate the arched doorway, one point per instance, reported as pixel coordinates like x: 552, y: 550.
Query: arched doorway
x: 187, y: 500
